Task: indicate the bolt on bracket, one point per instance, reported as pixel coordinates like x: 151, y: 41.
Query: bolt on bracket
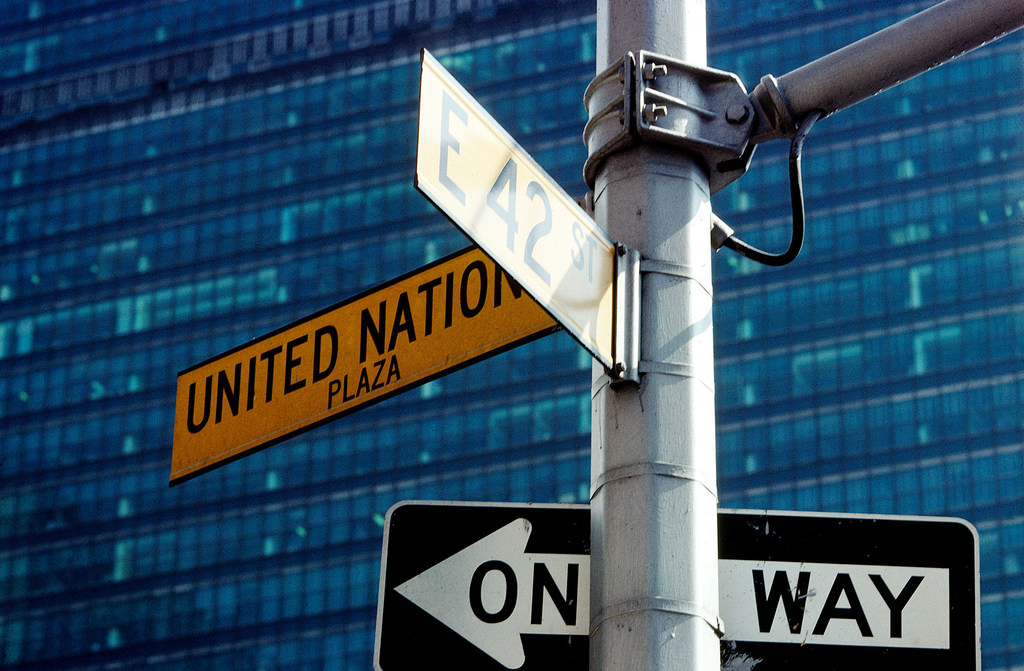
x: 650, y: 98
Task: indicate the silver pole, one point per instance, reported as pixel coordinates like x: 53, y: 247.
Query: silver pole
x: 654, y: 595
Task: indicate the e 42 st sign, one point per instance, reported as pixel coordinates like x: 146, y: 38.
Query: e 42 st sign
x: 501, y: 198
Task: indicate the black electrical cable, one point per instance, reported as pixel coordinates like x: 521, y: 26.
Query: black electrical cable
x: 796, y: 194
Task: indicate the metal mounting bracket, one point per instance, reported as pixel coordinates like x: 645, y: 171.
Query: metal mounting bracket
x: 627, y: 316
x: 611, y: 124
x: 650, y: 98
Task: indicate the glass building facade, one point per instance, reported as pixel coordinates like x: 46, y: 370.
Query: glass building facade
x: 178, y: 177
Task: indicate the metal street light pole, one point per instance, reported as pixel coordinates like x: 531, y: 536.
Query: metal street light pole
x: 664, y: 132
x: 654, y: 536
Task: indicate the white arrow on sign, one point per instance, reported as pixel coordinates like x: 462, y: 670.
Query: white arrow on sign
x: 493, y: 591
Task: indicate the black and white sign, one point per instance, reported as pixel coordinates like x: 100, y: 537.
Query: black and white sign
x: 505, y: 586
x: 484, y: 587
x: 843, y: 592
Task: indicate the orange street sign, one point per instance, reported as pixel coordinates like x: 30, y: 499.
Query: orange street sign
x: 446, y: 315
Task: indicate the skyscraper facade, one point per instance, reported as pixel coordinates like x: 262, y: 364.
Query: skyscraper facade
x: 178, y: 177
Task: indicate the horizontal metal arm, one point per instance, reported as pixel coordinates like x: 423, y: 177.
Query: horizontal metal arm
x: 880, y: 61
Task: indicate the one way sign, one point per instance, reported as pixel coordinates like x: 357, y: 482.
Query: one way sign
x: 812, y: 591
x: 505, y: 586
x: 483, y: 587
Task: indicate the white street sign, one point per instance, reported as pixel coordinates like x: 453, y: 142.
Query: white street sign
x: 501, y: 198
x: 810, y: 603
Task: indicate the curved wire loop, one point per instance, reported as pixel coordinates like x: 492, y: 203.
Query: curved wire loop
x: 796, y: 194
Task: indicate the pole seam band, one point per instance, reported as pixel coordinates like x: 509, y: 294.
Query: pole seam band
x: 659, y: 603
x: 671, y: 368
x: 674, y: 270
x: 599, y: 384
x: 660, y: 468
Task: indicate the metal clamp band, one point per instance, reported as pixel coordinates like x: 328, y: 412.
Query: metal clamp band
x: 663, y: 367
x: 660, y: 468
x: 674, y: 270
x: 677, y: 369
x: 662, y: 604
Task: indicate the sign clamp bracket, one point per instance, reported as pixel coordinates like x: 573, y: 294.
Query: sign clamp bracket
x: 626, y: 335
x: 651, y: 98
